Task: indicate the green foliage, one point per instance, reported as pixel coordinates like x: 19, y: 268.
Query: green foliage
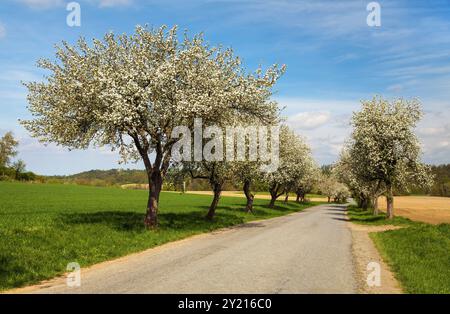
x: 419, y: 256
x: 366, y: 217
x: 10, y: 174
x: 441, y: 185
x: 418, y: 253
x: 45, y: 226
x: 8, y: 145
x: 326, y: 169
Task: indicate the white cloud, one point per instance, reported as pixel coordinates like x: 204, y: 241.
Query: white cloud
x: 309, y: 120
x: 18, y: 76
x: 296, y: 104
x: 346, y: 57
x: 432, y: 131
x: 395, y: 88
x: 11, y: 94
x: 113, y: 3
x: 434, y: 134
x: 2, y: 30
x: 42, y: 4
x: 325, y: 124
x: 46, y: 4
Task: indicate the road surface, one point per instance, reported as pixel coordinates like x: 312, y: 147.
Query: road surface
x: 305, y: 252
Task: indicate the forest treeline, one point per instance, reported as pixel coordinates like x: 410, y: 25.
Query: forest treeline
x: 119, y: 177
x: 122, y: 177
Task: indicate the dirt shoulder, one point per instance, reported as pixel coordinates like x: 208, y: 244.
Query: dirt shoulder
x: 364, y: 252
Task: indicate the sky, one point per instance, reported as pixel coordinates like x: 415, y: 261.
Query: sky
x: 334, y: 60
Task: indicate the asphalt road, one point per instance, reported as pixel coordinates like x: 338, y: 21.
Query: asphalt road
x: 306, y: 252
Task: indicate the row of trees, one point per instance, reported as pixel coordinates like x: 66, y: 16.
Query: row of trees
x: 131, y: 92
x: 294, y: 173
x: 134, y: 92
x: 333, y: 189
x: 383, y: 153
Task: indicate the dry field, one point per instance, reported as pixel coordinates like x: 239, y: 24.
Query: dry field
x: 258, y: 196
x: 224, y: 193
x: 429, y: 209
x: 134, y: 186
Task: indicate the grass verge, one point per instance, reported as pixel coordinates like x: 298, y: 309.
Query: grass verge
x: 43, y: 227
x: 418, y: 254
x: 361, y: 216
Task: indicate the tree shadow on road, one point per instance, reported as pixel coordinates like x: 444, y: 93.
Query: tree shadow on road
x: 341, y: 218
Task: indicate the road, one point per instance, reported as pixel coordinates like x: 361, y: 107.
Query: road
x: 305, y: 252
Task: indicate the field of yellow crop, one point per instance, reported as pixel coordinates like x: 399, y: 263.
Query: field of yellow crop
x: 430, y: 209
x: 260, y: 195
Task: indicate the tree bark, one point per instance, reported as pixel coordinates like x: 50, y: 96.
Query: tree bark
x: 274, y: 195
x: 250, y: 197
x: 155, y: 174
x: 274, y: 189
x: 217, y: 189
x: 286, y: 198
x: 154, y: 188
x: 297, y: 199
x: 375, y: 206
x: 365, y: 201
x: 390, y: 202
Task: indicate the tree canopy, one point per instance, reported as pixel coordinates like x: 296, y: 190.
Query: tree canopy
x: 130, y: 91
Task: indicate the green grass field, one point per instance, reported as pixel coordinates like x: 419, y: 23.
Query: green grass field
x: 418, y: 254
x: 43, y: 227
x: 366, y: 217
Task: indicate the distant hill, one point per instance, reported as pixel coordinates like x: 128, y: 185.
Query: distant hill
x: 104, y: 177
x: 120, y: 177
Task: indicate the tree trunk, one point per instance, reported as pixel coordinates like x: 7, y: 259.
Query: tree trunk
x: 375, y: 206
x: 365, y: 202
x: 249, y: 196
x: 329, y: 199
x: 390, y: 202
x: 286, y: 198
x: 272, y: 201
x: 298, y: 197
x: 154, y: 189
x: 273, y: 196
x: 359, y: 200
x: 217, y: 189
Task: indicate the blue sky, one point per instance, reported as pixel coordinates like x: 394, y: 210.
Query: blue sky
x: 334, y: 59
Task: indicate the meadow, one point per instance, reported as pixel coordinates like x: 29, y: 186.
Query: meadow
x: 418, y: 253
x: 43, y: 227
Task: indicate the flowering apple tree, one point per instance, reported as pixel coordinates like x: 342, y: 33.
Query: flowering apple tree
x: 130, y: 91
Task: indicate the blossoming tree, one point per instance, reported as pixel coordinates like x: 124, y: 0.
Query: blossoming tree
x: 129, y: 92
x: 384, y: 144
x: 295, y: 160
